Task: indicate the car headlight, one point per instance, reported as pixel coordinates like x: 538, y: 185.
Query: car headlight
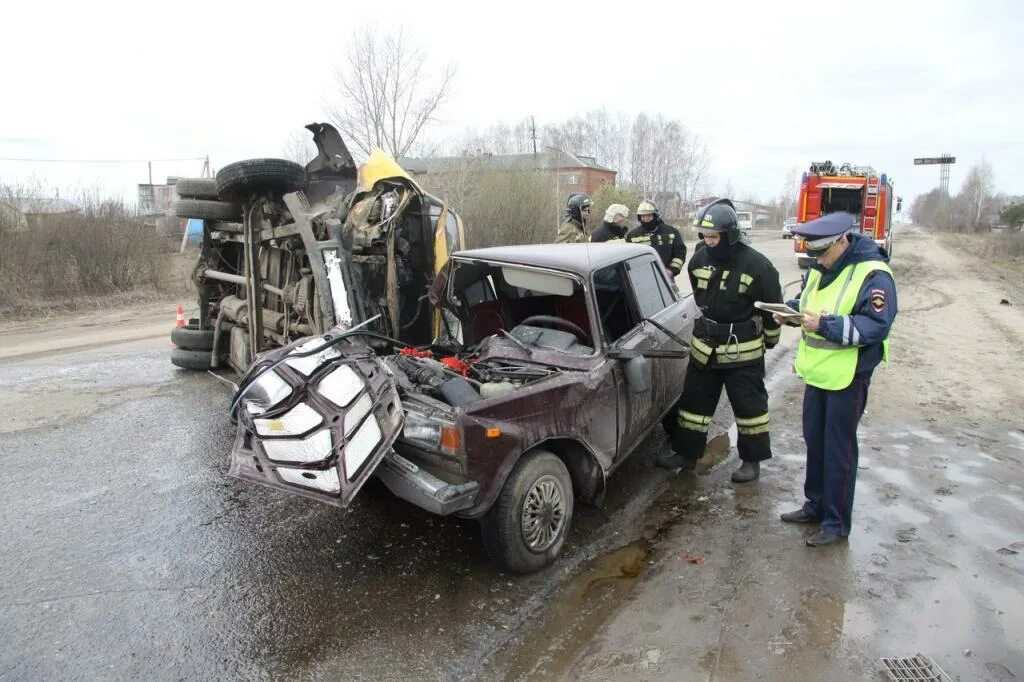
x: 431, y: 434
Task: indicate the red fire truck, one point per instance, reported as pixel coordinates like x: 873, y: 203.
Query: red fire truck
x: 859, y: 190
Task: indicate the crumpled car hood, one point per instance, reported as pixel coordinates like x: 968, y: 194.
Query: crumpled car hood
x: 316, y: 426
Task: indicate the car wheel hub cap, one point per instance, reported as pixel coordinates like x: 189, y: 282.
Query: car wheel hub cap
x: 543, y: 514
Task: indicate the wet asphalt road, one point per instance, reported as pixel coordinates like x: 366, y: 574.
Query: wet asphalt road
x: 128, y: 553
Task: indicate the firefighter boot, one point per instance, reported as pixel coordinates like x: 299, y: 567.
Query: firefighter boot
x: 673, y: 460
x: 748, y: 471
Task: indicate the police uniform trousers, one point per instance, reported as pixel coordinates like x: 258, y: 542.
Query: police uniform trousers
x: 702, y: 389
x: 830, y: 431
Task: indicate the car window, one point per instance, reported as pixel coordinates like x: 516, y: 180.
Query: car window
x: 649, y: 286
x: 614, y: 303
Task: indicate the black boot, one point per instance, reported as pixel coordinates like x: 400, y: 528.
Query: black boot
x: 748, y: 471
x: 823, y: 539
x: 798, y: 516
x: 675, y: 461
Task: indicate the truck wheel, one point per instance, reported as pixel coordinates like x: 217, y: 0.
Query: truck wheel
x: 190, y: 359
x: 191, y: 337
x: 207, y: 210
x: 197, y: 188
x: 528, y: 524
x: 241, y: 179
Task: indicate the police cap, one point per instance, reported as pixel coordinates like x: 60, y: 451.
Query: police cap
x: 826, y: 229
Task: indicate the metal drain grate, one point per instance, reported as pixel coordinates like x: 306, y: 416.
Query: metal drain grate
x: 917, y: 668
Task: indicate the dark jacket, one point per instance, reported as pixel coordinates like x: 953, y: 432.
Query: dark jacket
x: 725, y: 290
x: 873, y: 313
x: 608, y: 232
x: 665, y: 239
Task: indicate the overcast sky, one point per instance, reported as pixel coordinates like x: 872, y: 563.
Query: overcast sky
x: 771, y: 89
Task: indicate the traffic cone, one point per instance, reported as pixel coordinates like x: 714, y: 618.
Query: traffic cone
x: 180, y: 322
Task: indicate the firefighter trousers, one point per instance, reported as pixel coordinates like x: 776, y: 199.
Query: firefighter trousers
x: 745, y: 389
x: 830, y: 431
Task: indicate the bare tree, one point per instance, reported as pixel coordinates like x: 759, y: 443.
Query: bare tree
x: 976, y: 194
x: 598, y: 133
x: 387, y: 92
x: 299, y: 147
x: 665, y: 156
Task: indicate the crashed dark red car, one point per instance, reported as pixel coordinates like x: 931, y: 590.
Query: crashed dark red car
x: 549, y: 366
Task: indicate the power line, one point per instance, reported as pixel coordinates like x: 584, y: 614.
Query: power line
x: 190, y: 158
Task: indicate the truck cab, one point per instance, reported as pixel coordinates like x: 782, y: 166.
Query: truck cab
x: 858, y: 190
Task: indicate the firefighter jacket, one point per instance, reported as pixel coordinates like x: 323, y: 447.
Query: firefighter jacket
x: 608, y: 232
x: 732, y: 332
x: 571, y: 232
x: 665, y: 239
x: 859, y: 294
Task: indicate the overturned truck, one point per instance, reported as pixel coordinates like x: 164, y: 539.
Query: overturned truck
x: 291, y: 251
x: 499, y: 384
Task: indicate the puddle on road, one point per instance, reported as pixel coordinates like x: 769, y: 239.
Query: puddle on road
x: 819, y: 623
x: 715, y: 452
x: 579, y: 613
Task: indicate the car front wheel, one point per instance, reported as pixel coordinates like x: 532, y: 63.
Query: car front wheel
x: 527, y: 526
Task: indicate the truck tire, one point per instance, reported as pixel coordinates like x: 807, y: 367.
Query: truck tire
x: 191, y: 337
x: 207, y: 210
x: 527, y: 526
x: 241, y: 179
x: 196, y: 188
x: 191, y: 359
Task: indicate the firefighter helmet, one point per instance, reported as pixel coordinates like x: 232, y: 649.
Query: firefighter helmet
x: 719, y: 216
x: 647, y: 207
x: 574, y: 206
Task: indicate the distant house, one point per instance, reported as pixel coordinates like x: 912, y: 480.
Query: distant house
x: 155, y: 200
x: 573, y: 172
x: 29, y: 212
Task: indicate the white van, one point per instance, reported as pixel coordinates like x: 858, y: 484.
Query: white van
x: 746, y: 221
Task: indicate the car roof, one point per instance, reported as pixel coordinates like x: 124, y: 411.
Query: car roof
x: 581, y: 259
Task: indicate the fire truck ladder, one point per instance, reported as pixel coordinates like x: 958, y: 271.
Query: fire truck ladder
x: 870, y: 213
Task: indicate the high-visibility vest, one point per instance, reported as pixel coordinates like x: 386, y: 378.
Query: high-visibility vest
x: 820, y: 362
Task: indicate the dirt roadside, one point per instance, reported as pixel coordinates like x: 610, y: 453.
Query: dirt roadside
x: 57, y: 334
x: 713, y: 586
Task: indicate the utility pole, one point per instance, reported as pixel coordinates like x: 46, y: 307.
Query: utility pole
x: 943, y: 162
x: 533, y: 134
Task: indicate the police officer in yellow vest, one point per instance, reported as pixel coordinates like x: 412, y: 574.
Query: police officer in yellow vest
x: 848, y: 304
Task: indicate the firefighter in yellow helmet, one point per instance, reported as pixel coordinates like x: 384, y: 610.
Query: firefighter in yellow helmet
x: 664, y: 238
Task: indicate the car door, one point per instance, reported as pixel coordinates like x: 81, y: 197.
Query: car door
x: 637, y: 305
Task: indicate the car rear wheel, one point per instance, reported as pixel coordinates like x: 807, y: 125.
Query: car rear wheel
x: 207, y: 210
x: 191, y: 359
x: 241, y: 179
x: 527, y: 526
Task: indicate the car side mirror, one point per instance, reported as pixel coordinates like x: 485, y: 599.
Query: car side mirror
x: 637, y: 370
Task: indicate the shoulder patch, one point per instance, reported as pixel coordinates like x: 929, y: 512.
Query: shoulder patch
x: 877, y: 299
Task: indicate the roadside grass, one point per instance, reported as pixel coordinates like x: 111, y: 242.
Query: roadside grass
x: 101, y: 255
